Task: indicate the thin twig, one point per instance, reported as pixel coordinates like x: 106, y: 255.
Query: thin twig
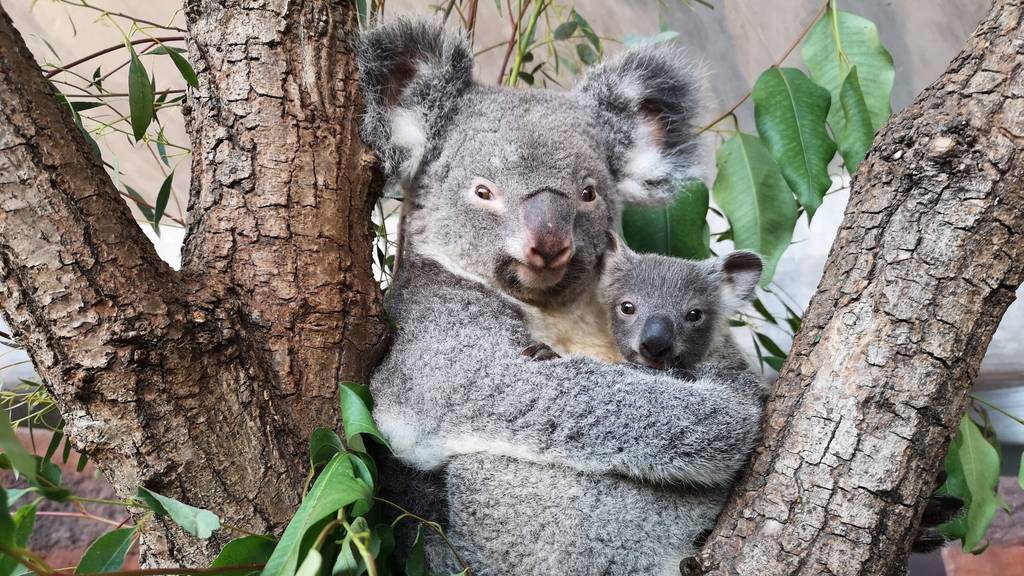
x: 512, y: 40
x: 776, y: 64
x: 127, y: 17
x: 109, y: 49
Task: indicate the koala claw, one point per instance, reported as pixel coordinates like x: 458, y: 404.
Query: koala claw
x: 540, y: 351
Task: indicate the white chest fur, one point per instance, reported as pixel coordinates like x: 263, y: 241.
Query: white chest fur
x: 582, y: 327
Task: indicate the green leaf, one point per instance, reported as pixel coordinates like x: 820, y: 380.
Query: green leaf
x: 595, y: 41
x: 140, y: 203
x: 857, y: 135
x: 140, y: 96
x: 196, y: 521
x: 586, y: 54
x: 770, y: 345
x: 14, y: 531
x: 790, y: 111
x: 164, y: 49
x: 347, y: 563
x: 980, y: 463
x: 755, y: 198
x: 679, y: 229
x: 184, y: 68
x: 634, y: 40
x: 161, y: 201
x: 10, y: 446
x: 565, y: 30
x: 416, y: 563
x: 55, y: 439
x: 356, y: 405
x: 837, y: 43
x: 15, y: 494
x: 775, y: 362
x: 335, y: 488
x: 107, y: 553
x: 244, y: 550
x: 80, y: 106
x: 323, y: 445
x: 311, y: 565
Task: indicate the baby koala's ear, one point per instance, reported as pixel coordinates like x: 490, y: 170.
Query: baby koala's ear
x: 648, y: 100
x: 742, y: 271
x: 617, y: 253
x: 412, y: 73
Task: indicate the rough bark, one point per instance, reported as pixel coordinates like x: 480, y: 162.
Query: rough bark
x: 929, y: 255
x: 203, y: 384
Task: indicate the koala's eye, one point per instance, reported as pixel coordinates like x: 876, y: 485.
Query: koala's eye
x: 694, y: 315
x: 627, y: 308
x: 483, y: 192
x: 588, y: 194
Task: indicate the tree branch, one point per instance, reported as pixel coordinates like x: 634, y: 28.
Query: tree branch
x: 929, y: 256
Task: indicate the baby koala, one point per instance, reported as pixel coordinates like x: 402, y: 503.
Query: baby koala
x: 662, y: 312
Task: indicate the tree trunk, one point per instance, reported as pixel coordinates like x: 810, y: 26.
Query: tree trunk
x: 205, y: 384
x: 929, y: 256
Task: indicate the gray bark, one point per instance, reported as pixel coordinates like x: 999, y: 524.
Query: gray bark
x: 929, y: 256
x: 205, y: 384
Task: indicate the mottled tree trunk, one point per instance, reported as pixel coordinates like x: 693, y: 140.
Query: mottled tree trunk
x: 202, y: 384
x: 930, y: 254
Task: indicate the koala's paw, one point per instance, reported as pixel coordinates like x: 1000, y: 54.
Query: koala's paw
x: 540, y: 351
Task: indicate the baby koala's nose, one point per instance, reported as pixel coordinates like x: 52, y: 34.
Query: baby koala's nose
x: 656, y: 338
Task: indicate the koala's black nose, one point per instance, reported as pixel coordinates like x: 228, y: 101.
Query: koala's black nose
x: 656, y: 338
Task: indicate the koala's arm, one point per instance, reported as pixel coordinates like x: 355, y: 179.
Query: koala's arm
x: 455, y: 382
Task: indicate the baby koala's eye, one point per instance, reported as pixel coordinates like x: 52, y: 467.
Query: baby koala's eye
x: 694, y: 315
x: 588, y: 194
x: 483, y: 192
x: 627, y: 308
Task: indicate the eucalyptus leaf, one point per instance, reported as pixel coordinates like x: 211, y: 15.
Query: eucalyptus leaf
x: 837, y: 43
x: 679, y: 229
x: 634, y: 40
x: 196, y: 521
x: 980, y: 462
x: 356, y: 405
x: 20, y: 459
x: 242, y: 551
x: 140, y: 96
x: 857, y: 134
x: 185, y: 68
x: 755, y: 198
x: 323, y: 445
x: 334, y: 488
x: 416, y: 563
x: 107, y: 553
x: 565, y: 30
x: 311, y: 564
x: 161, y: 201
x: 790, y: 112
x: 586, y: 54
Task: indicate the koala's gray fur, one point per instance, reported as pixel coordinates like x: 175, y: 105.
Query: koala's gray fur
x: 536, y: 467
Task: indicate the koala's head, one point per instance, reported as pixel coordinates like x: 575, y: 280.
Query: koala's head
x: 668, y: 312
x: 518, y: 188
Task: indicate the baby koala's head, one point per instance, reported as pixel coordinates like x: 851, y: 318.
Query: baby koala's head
x: 669, y: 312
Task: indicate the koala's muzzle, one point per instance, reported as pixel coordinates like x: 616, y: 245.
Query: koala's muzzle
x: 548, y: 220
x: 656, y: 340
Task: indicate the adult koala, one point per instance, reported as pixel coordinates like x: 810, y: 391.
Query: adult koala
x: 570, y: 466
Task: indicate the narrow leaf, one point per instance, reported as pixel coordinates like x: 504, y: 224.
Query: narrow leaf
x: 184, y: 68
x: 586, y: 54
x: 140, y: 96
x: 196, y: 521
x: 244, y: 550
x: 20, y: 459
x: 565, y: 30
x: 356, y: 405
x: 161, y: 201
x: 323, y: 445
x: 416, y: 563
x: 755, y: 198
x: 311, y: 565
x: 980, y: 463
x: 679, y: 229
x: 335, y: 488
x: 857, y: 134
x: 107, y: 553
x: 790, y: 111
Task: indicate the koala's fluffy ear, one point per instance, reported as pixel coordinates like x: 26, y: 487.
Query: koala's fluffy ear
x: 617, y: 252
x: 411, y: 73
x: 742, y: 271
x: 648, y: 100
